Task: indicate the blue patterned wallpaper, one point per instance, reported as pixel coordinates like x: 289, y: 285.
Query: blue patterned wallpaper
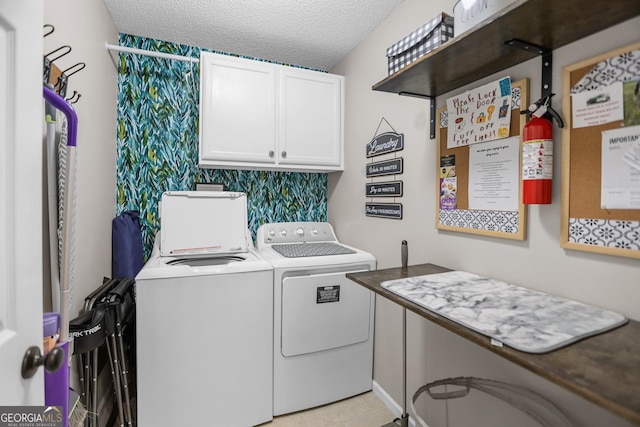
x: 157, y: 146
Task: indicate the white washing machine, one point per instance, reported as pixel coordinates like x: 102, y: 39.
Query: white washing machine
x: 204, y: 312
x: 323, y: 322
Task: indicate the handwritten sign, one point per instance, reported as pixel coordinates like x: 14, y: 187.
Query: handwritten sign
x: 387, y: 167
x: 384, y: 210
x: 480, y: 115
x: 384, y: 143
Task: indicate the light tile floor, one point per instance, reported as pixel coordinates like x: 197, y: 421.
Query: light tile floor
x: 364, y: 410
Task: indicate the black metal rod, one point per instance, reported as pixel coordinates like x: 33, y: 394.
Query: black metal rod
x: 432, y: 110
x: 547, y: 61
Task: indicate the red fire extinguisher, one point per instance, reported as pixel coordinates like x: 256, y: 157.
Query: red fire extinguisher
x: 537, y: 152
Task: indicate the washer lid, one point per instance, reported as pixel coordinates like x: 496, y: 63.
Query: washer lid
x: 196, y: 223
x: 206, y: 261
x: 163, y: 267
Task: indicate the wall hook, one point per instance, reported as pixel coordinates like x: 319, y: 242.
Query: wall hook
x: 74, y: 98
x: 49, y: 26
x: 64, y: 77
x: 48, y: 61
x: 56, y: 50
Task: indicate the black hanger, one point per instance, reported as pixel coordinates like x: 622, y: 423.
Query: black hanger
x: 49, y: 26
x: 64, y: 77
x: 48, y: 61
x: 74, y: 98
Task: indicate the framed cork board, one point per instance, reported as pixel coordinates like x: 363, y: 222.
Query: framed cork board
x: 508, y: 224
x: 600, y: 190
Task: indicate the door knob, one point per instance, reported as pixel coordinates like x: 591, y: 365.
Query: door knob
x: 284, y: 154
x: 271, y: 154
x: 33, y: 359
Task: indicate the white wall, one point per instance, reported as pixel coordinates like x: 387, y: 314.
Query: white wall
x: 538, y: 263
x: 86, y: 26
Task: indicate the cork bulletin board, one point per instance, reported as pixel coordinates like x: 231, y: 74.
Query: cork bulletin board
x: 587, y: 224
x: 495, y: 223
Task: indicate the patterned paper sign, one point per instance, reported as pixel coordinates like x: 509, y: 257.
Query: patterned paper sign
x: 479, y: 115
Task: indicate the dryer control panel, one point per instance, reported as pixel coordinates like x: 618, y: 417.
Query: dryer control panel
x: 295, y: 232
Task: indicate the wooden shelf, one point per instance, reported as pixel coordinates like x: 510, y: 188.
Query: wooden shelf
x: 602, y: 368
x: 482, y: 51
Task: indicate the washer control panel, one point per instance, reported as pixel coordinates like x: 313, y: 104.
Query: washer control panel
x: 295, y: 232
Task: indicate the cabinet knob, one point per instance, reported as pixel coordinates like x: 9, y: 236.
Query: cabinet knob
x: 284, y: 155
x: 271, y: 154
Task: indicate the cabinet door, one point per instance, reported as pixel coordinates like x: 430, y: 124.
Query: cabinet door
x: 311, y: 116
x: 237, y: 112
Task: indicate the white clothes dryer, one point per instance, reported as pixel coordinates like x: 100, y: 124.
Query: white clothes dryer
x: 204, y: 320
x: 323, y: 322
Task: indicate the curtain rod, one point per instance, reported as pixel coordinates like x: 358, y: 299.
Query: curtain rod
x: 150, y: 53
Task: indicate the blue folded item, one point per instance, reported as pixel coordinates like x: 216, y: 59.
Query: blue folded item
x: 126, y: 245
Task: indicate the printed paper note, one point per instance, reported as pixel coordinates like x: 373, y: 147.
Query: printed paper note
x: 494, y: 176
x: 597, y: 107
x: 620, y: 181
x: 448, y: 182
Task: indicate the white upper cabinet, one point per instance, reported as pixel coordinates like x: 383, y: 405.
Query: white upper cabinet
x: 237, y: 111
x: 258, y: 115
x: 310, y: 118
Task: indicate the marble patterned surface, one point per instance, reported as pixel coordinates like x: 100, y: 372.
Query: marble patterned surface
x: 521, y: 318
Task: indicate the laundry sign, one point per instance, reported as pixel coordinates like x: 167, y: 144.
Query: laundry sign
x: 384, y: 189
x: 384, y: 210
x: 384, y: 143
x: 387, y: 167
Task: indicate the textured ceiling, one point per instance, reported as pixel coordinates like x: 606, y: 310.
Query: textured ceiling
x: 310, y: 33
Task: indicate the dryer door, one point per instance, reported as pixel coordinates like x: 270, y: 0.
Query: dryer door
x: 322, y: 312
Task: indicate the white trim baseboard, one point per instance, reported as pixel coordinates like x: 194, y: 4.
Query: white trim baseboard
x: 391, y: 404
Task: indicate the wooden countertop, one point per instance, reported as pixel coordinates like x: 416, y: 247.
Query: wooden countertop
x: 604, y: 369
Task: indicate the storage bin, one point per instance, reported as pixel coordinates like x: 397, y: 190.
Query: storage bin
x: 475, y: 11
x: 429, y: 36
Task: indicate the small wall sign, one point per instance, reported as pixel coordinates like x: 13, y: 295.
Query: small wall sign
x: 386, y: 167
x: 384, y: 210
x: 384, y: 143
x: 384, y: 189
